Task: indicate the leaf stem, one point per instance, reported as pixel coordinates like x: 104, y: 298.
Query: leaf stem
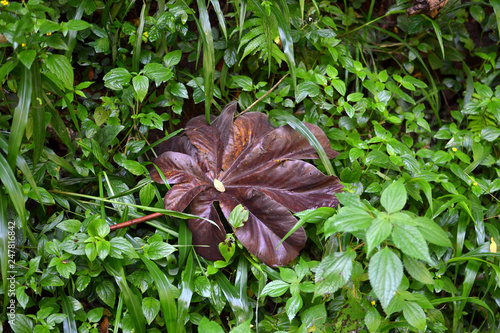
x: 263, y: 96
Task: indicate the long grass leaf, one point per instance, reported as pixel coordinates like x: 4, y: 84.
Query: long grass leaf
x: 20, y: 116
x: 4, y: 248
x: 132, y: 301
x: 118, y: 313
x: 185, y: 242
x: 71, y: 42
x: 220, y: 16
x: 24, y: 167
x: 37, y: 112
x: 241, y: 284
x: 136, y: 57
x: 166, y: 294
x: 50, y: 155
x: 437, y: 30
x: 496, y: 7
x: 283, y: 19
x: 205, y: 31
x: 302, y: 129
x: 69, y: 323
x: 187, y: 287
x: 58, y: 124
x: 241, y: 312
x: 16, y: 197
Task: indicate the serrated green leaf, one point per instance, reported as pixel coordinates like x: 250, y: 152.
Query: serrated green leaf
x: 372, y: 319
x: 414, y: 315
x: 393, y: 198
x: 348, y: 219
x: 386, y: 273
x: 432, y: 232
x: 306, y: 88
x: 417, y: 270
x: 159, y: 250
x: 333, y: 272
x: 293, y: 305
x: 409, y: 240
x: 275, y: 288
x: 378, y: 231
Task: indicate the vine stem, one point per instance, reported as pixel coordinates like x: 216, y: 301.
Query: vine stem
x: 135, y: 221
x: 263, y: 96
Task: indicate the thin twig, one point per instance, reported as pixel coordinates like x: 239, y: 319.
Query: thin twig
x: 262, y: 97
x: 135, y: 221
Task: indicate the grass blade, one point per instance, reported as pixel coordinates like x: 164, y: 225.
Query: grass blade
x: 185, y: 243
x: 58, y: 125
x: 20, y: 116
x: 69, y: 323
x: 4, y: 250
x: 187, y: 287
x: 205, y: 31
x: 72, y: 33
x: 133, y: 303
x: 9, y: 181
x: 302, y: 129
x: 437, y: 30
x: 136, y: 57
x: 220, y: 16
x: 496, y: 7
x: 118, y: 312
x: 242, y: 287
x: 164, y: 288
x: 283, y: 18
x: 37, y: 112
x: 241, y: 312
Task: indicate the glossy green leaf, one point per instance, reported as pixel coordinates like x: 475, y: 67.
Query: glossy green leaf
x: 372, y: 319
x: 106, y: 292
x: 117, y: 78
x: 141, y: 86
x: 60, y: 66
x: 157, y: 73
x: 348, y: 219
x: 386, y: 272
x: 334, y: 272
x: 27, y: 57
x: 209, y: 326
x: 150, y: 308
x: 417, y: 270
x: 378, y: 232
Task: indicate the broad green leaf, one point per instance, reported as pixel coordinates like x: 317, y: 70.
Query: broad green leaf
x: 339, y: 85
x: 209, y: 326
x: 159, y: 250
x: 72, y: 226
x: 77, y: 25
x: 134, y: 167
x: 393, y: 198
x: 141, y: 86
x: 386, y: 273
x: 150, y: 308
x: 348, y: 219
x: 314, y: 316
x: 238, y: 216
x: 103, y: 247
x: 106, y: 292
x: 432, y: 232
x: 334, y: 272
x: 147, y: 194
x: 306, y: 88
x: 378, y: 232
x: 409, y: 240
x: 66, y: 268
x: 27, y: 57
x: 275, y: 288
x: 117, y: 78
x: 372, y: 319
x: 91, y: 251
x: 414, y: 315
x: 172, y: 58
x: 60, y: 66
x: 179, y: 90
x: 82, y: 282
x: 417, y: 270
x: 293, y: 305
x: 98, y: 227
x: 157, y: 73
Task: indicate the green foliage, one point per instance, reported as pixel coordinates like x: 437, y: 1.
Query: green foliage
x: 411, y: 103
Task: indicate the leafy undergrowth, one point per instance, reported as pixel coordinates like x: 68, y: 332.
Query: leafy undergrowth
x: 92, y: 91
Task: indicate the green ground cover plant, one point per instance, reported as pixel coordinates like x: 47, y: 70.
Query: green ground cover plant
x: 93, y: 92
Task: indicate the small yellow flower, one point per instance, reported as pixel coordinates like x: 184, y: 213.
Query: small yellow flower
x: 49, y: 33
x: 4, y: 2
x: 146, y: 34
x: 439, y: 276
x: 475, y: 184
x: 23, y: 44
x: 454, y: 149
x: 373, y: 302
x: 493, y: 246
